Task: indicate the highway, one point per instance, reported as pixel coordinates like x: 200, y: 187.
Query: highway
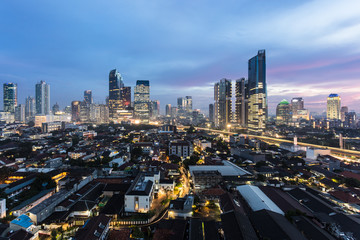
x: 279, y: 140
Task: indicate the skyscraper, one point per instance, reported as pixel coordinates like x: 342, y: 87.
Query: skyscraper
x: 283, y: 112
x: 20, y: 113
x: 126, y: 97
x: 29, y: 108
x: 115, y: 84
x: 297, y: 104
x: 155, y: 109
x: 168, y: 110
x: 75, y: 111
x: 42, y: 96
x: 257, y: 114
x: 55, y: 108
x: 181, y: 102
x: 88, y: 99
x: 343, y: 112
x: 211, y: 112
x: 223, y: 103
x: 188, y: 103
x: 333, y: 107
x: 142, y: 99
x: 241, y: 102
x: 10, y: 97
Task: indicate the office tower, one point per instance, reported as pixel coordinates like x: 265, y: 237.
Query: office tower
x: 142, y: 99
x: 20, y: 113
x: 211, y: 112
x: 223, y: 103
x: 29, y: 108
x: 333, y: 107
x: 88, y: 99
x: 188, y: 104
x: 55, y: 108
x: 115, y: 84
x: 297, y: 104
x: 155, y: 109
x: 98, y: 113
x: 126, y: 97
x: 350, y: 120
x: 257, y: 105
x: 42, y: 96
x: 10, y: 97
x: 283, y: 112
x: 344, y: 110
x: 75, y: 111
x: 84, y: 111
x: 67, y: 109
x: 241, y: 105
x: 181, y: 102
x: 168, y: 110
x: 174, y: 112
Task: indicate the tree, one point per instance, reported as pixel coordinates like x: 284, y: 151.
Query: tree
x: 261, y: 178
x: 136, y: 152
x: 174, y: 159
x: 191, y: 129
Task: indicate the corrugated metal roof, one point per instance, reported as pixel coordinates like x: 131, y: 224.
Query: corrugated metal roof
x: 257, y: 200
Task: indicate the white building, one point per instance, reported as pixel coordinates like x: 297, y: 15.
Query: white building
x: 140, y: 195
x: 2, y: 208
x: 180, y: 148
x: 313, y: 153
x: 202, y: 144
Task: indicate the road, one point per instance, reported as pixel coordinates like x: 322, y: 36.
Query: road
x: 279, y: 140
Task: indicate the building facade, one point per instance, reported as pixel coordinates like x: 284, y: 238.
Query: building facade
x: 88, y: 99
x: 42, y: 96
x: 258, y: 110
x: 115, y: 84
x: 333, y: 107
x: 241, y: 102
x: 142, y: 99
x: 10, y: 97
x: 283, y: 112
x: 223, y: 103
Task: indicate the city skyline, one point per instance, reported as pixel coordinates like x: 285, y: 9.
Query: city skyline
x: 185, y: 55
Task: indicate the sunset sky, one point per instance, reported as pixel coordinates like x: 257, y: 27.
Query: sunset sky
x: 182, y: 47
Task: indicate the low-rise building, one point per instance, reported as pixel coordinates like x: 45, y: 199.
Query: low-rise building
x: 140, y: 195
x: 180, y: 148
x: 181, y: 207
x: 96, y: 228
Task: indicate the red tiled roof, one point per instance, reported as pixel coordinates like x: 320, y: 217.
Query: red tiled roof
x: 344, y: 197
x: 349, y: 174
x: 213, y: 192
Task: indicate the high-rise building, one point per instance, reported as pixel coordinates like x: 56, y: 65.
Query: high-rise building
x: 211, y: 112
x: 42, y: 96
x: 142, y: 99
x: 115, y: 84
x: 75, y: 111
x: 333, y: 107
x: 297, y: 104
x: 181, y: 103
x: 155, y: 109
x: 98, y: 113
x: 168, y: 110
x: 29, y: 108
x: 241, y: 102
x: 88, y: 99
x: 84, y: 111
x: 174, y: 112
x: 20, y: 113
x: 350, y: 120
x: 258, y: 111
x: 55, y: 108
x: 344, y: 110
x: 188, y: 104
x: 223, y: 103
x: 10, y: 97
x: 283, y: 112
x: 126, y: 97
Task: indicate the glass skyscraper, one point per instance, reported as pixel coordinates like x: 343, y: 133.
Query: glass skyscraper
x: 257, y: 105
x: 10, y: 97
x: 88, y: 97
x: 241, y: 102
x: 29, y: 108
x: 42, y: 97
x: 142, y: 99
x: 223, y: 103
x: 115, y: 84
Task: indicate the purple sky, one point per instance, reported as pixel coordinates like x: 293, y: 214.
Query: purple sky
x: 182, y: 47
